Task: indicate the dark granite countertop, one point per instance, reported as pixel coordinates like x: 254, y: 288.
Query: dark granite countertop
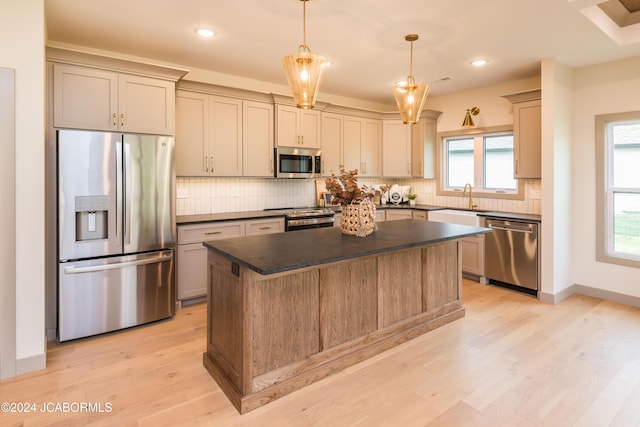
x: 275, y: 253
x: 226, y: 216
x: 234, y: 216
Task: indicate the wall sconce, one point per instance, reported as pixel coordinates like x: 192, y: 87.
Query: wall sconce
x: 468, y: 121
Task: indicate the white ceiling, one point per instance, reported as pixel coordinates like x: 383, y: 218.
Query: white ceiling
x: 363, y: 38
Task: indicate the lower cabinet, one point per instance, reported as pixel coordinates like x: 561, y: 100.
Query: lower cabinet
x: 473, y: 255
x: 192, y: 255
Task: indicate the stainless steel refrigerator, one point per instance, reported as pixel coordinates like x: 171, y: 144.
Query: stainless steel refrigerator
x: 116, y: 231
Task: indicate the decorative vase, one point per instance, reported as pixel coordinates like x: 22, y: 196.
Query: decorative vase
x: 412, y: 202
x: 358, y: 218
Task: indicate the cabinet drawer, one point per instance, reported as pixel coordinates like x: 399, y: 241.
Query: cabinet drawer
x: 198, y: 233
x: 393, y: 215
x: 420, y: 215
x: 255, y: 227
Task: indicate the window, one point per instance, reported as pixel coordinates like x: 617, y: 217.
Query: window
x: 484, y: 160
x: 618, y: 188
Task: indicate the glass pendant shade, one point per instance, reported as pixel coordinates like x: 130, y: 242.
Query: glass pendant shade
x: 410, y: 97
x: 304, y: 71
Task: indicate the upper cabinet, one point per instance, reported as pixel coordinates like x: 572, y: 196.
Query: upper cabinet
x: 332, y: 143
x: 257, y: 139
x: 296, y: 127
x: 362, y: 147
x: 396, y: 148
x: 223, y: 135
x: 423, y: 140
x: 208, y: 135
x: 91, y: 98
x: 527, y: 134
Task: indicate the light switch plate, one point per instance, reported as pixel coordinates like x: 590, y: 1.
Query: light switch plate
x: 534, y: 194
x: 181, y: 193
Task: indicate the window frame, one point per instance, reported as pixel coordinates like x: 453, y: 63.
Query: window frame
x: 604, y: 191
x: 478, y: 190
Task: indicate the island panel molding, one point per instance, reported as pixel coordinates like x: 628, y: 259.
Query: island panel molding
x: 271, y: 334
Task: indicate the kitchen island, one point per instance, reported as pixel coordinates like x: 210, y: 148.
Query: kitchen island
x: 286, y: 310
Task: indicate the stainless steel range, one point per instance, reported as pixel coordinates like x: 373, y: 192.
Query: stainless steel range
x: 305, y: 218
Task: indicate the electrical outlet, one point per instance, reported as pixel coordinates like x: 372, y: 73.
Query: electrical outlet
x: 534, y: 194
x: 181, y: 193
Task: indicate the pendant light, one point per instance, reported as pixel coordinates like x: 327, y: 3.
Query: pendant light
x: 410, y: 96
x: 304, y: 70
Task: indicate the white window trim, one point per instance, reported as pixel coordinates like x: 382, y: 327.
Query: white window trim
x: 441, y: 190
x: 604, y: 194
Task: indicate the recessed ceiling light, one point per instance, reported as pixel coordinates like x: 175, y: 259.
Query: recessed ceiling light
x: 205, y: 32
x: 479, y: 62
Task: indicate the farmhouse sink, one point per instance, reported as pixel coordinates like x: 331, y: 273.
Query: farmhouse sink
x: 454, y: 216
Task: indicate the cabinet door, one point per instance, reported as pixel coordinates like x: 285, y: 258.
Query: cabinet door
x: 396, y: 149
x: 423, y: 139
x: 257, y: 139
x: 192, y: 271
x: 371, y: 147
x: 527, y: 139
x: 225, y: 136
x: 84, y: 98
x: 287, y: 126
x: 310, y: 128
x: 192, y: 133
x: 352, y: 132
x: 473, y: 255
x: 146, y: 105
x: 331, y: 143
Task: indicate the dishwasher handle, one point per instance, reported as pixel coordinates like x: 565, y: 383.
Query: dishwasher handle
x: 517, y: 228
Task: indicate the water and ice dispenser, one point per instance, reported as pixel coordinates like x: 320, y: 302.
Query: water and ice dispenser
x: 92, y: 213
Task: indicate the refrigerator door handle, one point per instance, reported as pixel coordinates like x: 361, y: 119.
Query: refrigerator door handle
x: 94, y: 268
x: 126, y: 200
x: 118, y: 188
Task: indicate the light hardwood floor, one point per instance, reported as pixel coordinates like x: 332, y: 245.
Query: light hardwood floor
x: 511, y: 361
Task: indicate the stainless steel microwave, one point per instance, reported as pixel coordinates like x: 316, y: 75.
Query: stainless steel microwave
x: 293, y: 162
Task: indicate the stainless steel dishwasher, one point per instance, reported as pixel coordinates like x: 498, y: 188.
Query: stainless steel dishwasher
x: 511, y: 254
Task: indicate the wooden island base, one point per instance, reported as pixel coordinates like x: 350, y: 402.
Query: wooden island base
x: 269, y: 335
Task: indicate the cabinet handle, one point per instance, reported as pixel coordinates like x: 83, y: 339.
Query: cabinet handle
x: 122, y: 119
x: 517, y: 167
x: 210, y: 233
x: 213, y: 164
x: 206, y: 164
x: 408, y: 169
x: 302, y: 137
x: 115, y: 119
x: 265, y: 228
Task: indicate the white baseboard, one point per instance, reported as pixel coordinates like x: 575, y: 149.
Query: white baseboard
x: 591, y: 292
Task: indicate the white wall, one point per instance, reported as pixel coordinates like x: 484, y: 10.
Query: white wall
x: 600, y: 89
x: 23, y: 21
x: 556, y: 178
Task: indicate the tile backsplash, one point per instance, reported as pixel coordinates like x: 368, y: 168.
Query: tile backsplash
x: 204, y: 195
